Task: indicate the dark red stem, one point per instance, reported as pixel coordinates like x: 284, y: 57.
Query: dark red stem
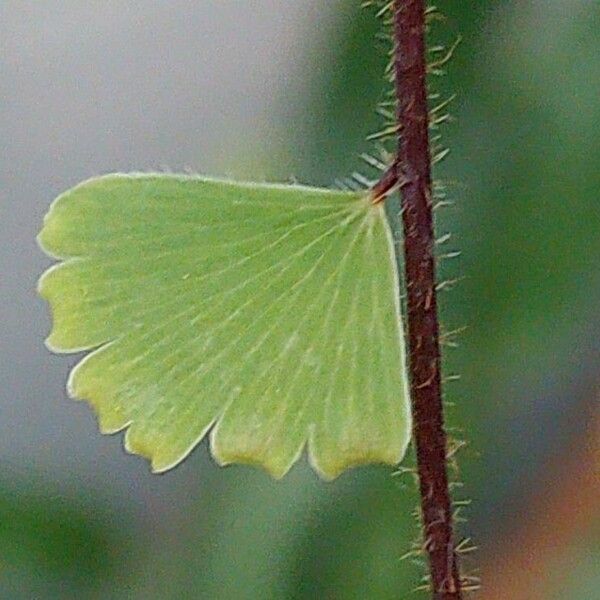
x: 414, y: 175
x: 387, y: 182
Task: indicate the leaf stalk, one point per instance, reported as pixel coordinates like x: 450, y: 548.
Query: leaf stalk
x: 412, y: 173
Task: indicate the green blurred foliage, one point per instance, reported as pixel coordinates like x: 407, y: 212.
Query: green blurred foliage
x: 583, y: 582
x: 55, y: 545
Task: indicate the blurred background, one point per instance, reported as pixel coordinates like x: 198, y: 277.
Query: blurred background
x: 281, y: 90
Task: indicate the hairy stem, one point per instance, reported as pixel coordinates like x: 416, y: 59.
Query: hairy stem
x: 413, y: 172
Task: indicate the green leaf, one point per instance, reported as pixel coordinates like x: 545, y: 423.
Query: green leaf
x: 266, y: 314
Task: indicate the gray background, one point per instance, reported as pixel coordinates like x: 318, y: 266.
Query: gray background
x: 96, y: 87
